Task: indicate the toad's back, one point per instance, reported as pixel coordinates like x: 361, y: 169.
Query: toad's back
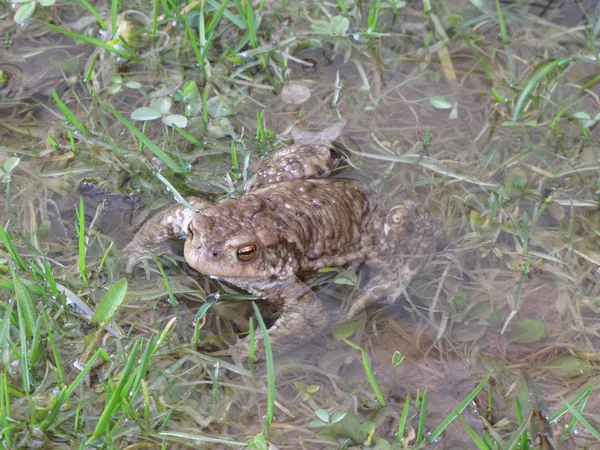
x: 318, y: 222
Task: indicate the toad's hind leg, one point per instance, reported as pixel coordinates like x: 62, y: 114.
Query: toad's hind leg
x: 302, y: 317
x: 409, y: 242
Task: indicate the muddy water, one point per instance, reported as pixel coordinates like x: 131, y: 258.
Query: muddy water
x: 482, y: 180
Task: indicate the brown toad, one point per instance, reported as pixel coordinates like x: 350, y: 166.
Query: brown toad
x: 291, y: 221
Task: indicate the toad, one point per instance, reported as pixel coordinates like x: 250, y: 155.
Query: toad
x: 292, y: 220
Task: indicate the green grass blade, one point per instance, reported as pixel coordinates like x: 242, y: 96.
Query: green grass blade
x: 251, y: 345
x: 189, y: 137
x: 540, y: 74
x: 143, y: 365
x: 518, y: 435
x: 237, y: 21
x: 422, y: 416
x: 270, y: 367
x: 583, y: 395
x: 251, y: 22
x: 461, y: 407
x: 25, y: 375
x: 90, y: 40
x: 49, y: 277
x: 369, y: 372
x: 582, y: 420
x: 25, y: 304
x: 217, y: 17
x: 480, y: 443
x: 95, y: 13
x: 7, y: 242
x: 5, y: 429
x: 80, y: 213
x: 110, y: 303
x: 119, y: 393
x: 56, y: 356
x: 506, y: 41
x: 403, y: 419
x: 197, y: 320
x: 114, y: 15
x: 154, y: 20
x: 47, y: 423
x: 201, y: 438
x: 215, y: 387
x: 34, y: 352
x: 165, y: 278
x: 4, y: 327
x: 160, y: 154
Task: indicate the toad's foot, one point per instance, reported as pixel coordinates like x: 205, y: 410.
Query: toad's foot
x: 152, y: 238
x: 301, y: 319
x: 409, y: 233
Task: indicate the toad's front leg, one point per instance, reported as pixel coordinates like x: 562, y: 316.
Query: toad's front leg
x: 302, y: 317
x: 152, y: 238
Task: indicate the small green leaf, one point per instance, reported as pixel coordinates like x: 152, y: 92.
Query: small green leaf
x: 581, y: 115
x: 175, y: 119
x: 475, y: 220
x: 47, y: 2
x: 584, y: 118
x: 469, y: 334
x: 258, y: 442
x: 145, y: 113
x: 344, y: 330
x: 528, y: 330
x: 345, y: 280
x: 460, y: 301
x: 202, y: 311
x: 397, y: 358
x: 323, y: 415
x: 114, y: 88
x: 25, y: 12
x: 313, y: 388
x: 440, y: 102
x: 480, y: 311
x: 26, y: 306
x: 133, y: 84
x: 110, y: 303
x: 191, y: 93
x: 454, y: 113
x: 568, y: 366
x: 163, y: 104
x: 11, y: 163
x: 317, y: 424
x: 217, y: 108
x: 339, y: 25
x: 338, y: 416
x: 321, y: 27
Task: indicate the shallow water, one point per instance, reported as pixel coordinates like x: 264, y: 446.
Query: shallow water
x: 513, y: 285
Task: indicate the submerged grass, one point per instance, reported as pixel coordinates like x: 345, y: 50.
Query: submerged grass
x: 507, y: 167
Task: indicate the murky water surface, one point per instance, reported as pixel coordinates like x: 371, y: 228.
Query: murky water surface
x: 513, y: 286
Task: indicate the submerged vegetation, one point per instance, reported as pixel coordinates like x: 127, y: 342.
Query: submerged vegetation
x: 487, y: 112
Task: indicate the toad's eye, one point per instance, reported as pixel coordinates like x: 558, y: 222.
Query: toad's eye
x: 246, y: 253
x: 190, y: 232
